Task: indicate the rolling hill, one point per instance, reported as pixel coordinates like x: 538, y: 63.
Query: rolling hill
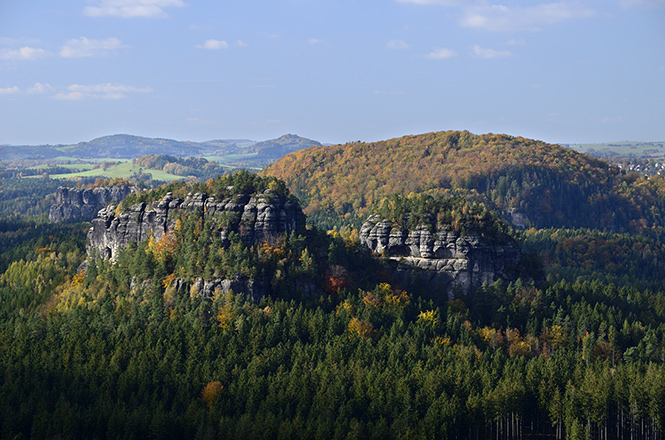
x: 125, y: 146
x: 531, y: 182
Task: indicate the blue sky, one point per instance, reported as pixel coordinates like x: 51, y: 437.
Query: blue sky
x: 331, y: 70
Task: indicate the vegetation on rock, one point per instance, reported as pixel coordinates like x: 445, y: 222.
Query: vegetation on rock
x: 134, y: 349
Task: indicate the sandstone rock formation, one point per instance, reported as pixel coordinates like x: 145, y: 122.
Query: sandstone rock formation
x: 254, y: 217
x: 77, y: 204
x: 442, y: 262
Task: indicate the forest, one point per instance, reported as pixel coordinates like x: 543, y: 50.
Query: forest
x: 573, y: 348
x: 551, y: 185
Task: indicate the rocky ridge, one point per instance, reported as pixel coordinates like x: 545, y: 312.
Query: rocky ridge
x: 78, y: 204
x: 441, y: 261
x: 255, y: 217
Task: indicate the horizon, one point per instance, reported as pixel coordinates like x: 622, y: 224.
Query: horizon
x: 322, y: 142
x: 336, y: 72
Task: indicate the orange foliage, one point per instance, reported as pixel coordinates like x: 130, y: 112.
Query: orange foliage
x: 165, y: 246
x: 336, y: 278
x: 361, y: 328
x: 78, y: 279
x: 211, y: 393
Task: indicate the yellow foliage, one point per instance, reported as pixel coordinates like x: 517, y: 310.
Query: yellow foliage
x: 168, y: 279
x: 428, y: 317
x: 274, y: 251
x: 164, y: 247
x: 554, y: 336
x: 344, y: 306
x: 384, y: 294
x: 226, y: 315
x: 441, y: 341
x: 370, y: 299
x: 490, y: 336
x: 78, y: 279
x: 361, y: 328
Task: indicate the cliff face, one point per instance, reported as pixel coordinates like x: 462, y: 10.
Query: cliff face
x: 76, y: 204
x: 442, y: 261
x: 254, y: 217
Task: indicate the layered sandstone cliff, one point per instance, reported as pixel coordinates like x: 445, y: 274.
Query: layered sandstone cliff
x: 255, y: 217
x: 441, y: 261
x: 77, y: 204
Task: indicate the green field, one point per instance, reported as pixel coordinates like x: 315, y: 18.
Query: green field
x: 122, y: 170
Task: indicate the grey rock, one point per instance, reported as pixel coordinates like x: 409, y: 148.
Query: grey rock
x: 77, y: 204
x: 264, y: 217
x: 443, y: 262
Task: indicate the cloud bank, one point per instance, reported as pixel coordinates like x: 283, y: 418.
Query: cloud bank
x: 213, y: 44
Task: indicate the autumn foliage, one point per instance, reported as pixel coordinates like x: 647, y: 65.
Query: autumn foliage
x: 340, y: 184
x: 211, y: 393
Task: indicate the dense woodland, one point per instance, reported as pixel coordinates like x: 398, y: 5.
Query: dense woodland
x: 552, y: 185
x: 575, y: 348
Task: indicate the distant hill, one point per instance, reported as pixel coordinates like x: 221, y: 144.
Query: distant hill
x: 128, y: 146
x: 282, y: 146
x: 32, y: 152
x: 125, y: 146
x: 622, y: 149
x: 532, y: 183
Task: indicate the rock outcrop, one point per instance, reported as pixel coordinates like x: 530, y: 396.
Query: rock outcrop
x: 254, y: 217
x: 77, y: 204
x: 254, y: 290
x: 443, y: 262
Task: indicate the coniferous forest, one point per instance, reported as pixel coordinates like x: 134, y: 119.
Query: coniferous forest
x: 571, y: 347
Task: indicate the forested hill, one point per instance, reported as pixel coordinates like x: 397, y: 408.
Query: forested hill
x: 547, y: 185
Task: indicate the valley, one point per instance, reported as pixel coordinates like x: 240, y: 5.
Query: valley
x: 441, y: 285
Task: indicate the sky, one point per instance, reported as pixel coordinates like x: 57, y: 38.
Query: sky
x: 331, y: 70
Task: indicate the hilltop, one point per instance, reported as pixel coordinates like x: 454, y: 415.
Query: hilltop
x: 532, y: 183
x: 201, y: 313
x: 125, y: 146
x: 283, y: 145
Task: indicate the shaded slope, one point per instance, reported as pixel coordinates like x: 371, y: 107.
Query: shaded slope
x: 545, y: 184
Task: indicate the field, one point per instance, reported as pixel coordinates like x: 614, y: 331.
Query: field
x: 121, y: 170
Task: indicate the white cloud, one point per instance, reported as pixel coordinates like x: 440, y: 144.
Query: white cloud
x: 397, y: 44
x: 242, y: 43
x: 441, y: 54
x: 85, y: 47
x: 99, y: 91
x: 131, y: 8
x: 432, y: 2
x: 315, y: 42
x: 531, y: 18
x: 490, y: 54
x: 213, y: 44
x: 24, y: 53
x: 40, y: 88
x: 9, y: 90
